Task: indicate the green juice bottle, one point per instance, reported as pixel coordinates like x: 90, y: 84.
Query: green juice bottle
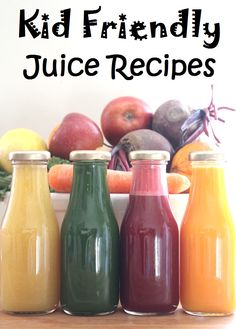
x: 89, y: 240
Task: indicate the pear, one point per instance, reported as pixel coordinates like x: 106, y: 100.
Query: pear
x: 19, y: 139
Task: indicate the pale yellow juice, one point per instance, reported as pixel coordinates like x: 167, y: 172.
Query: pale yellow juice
x: 29, y: 241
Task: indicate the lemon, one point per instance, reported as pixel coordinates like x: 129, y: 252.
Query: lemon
x: 19, y: 139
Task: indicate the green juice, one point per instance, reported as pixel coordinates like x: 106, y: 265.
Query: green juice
x: 89, y: 244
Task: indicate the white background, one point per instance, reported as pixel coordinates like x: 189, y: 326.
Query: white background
x: 41, y: 103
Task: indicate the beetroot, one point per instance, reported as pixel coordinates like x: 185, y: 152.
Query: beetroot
x: 141, y: 139
x: 169, y: 118
x: 200, y: 122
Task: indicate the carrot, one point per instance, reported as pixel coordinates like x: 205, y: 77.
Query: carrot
x: 119, y: 181
x: 60, y: 180
x: 177, y: 183
x: 60, y: 177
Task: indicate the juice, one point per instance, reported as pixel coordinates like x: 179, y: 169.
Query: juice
x: 149, y: 282
x: 89, y: 279
x: 208, y: 246
x: 149, y: 257
x: 29, y: 245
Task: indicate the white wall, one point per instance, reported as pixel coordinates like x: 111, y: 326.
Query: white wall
x: 41, y: 103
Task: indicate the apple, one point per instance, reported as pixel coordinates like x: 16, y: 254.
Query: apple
x: 76, y: 132
x: 122, y: 115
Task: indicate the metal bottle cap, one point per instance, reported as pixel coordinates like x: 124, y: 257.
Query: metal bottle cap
x: 90, y: 155
x: 149, y: 155
x: 29, y: 156
x: 206, y: 156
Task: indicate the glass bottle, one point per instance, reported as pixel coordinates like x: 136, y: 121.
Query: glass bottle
x: 29, y: 239
x: 89, y: 240
x: 149, y: 240
x: 208, y: 241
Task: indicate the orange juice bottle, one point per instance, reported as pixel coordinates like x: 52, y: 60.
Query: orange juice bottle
x: 208, y: 241
x: 29, y: 236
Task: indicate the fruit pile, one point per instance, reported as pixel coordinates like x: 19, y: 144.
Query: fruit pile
x: 127, y: 123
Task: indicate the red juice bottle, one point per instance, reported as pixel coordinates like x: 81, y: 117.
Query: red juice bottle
x: 149, y: 240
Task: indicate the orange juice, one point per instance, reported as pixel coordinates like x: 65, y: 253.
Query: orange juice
x: 29, y: 241
x: 208, y: 242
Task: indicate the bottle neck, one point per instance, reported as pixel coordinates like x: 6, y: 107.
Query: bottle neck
x: 149, y: 178
x: 89, y: 181
x: 29, y: 178
x: 208, y: 180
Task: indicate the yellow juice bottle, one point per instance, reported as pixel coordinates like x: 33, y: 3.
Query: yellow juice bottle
x: 29, y: 240
x: 208, y: 241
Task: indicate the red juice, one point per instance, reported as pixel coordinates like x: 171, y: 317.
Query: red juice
x: 149, y: 256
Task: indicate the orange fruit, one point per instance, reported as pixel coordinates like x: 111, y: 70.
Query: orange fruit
x: 180, y: 161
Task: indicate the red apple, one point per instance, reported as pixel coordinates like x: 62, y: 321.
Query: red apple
x: 76, y: 132
x: 122, y: 115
